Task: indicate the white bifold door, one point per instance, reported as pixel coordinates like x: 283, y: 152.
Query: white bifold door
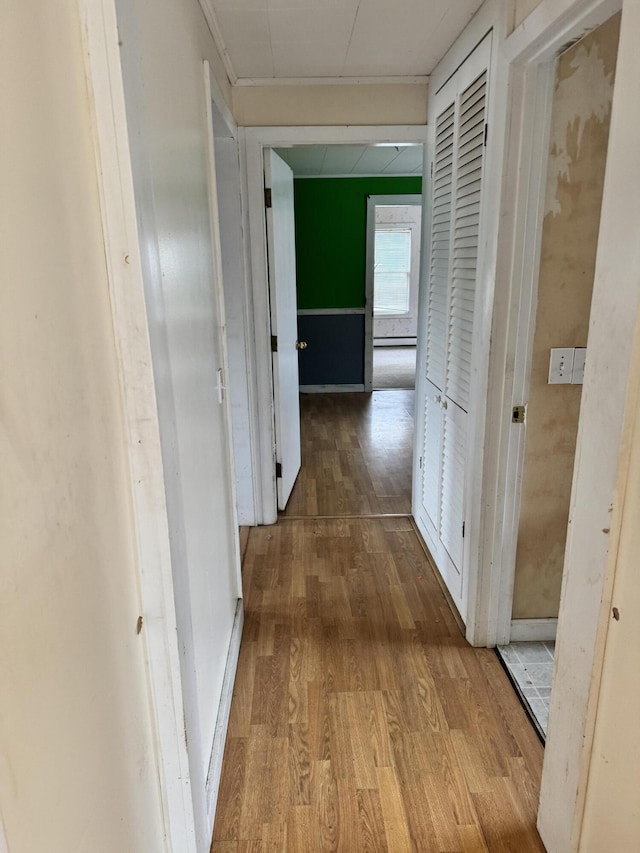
x: 443, y: 407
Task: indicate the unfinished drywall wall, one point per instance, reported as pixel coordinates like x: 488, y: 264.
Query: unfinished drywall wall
x: 578, y: 149
x: 77, y: 761
x: 342, y: 104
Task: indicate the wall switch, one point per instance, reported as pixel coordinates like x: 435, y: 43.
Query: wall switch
x: 579, y: 355
x: 561, y: 366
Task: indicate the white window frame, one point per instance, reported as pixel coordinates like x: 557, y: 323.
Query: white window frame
x: 403, y: 228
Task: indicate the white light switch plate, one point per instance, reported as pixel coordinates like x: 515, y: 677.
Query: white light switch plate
x: 579, y: 357
x: 561, y: 366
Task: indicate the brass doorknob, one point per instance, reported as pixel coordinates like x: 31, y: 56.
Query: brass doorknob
x: 301, y: 344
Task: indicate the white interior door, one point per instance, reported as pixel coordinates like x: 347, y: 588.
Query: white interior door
x: 445, y: 398
x: 281, y: 248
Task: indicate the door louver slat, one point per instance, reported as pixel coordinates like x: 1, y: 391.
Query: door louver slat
x: 466, y: 228
x: 440, y: 243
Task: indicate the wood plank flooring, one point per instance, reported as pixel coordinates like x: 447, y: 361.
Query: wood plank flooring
x: 361, y: 720
x: 356, y: 454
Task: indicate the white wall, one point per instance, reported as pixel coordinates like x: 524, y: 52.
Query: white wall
x: 77, y: 765
x: 235, y: 296
x: 342, y: 104
x: 612, y: 809
x: 164, y: 43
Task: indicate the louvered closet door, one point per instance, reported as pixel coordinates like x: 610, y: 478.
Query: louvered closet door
x: 469, y: 157
x: 432, y: 454
x: 458, y: 116
x: 439, y: 272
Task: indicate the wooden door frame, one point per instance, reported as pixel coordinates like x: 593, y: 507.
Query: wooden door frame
x: 529, y: 56
x: 413, y: 199
x: 528, y: 61
x: 142, y: 427
x: 214, y: 97
x: 255, y: 140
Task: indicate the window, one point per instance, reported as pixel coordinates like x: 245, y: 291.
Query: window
x: 392, y: 272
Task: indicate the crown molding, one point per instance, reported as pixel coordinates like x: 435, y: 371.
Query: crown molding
x: 212, y: 20
x: 329, y: 81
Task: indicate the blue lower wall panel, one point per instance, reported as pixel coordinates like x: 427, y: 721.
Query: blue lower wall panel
x: 335, y: 349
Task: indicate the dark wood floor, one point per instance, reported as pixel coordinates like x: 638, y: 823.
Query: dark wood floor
x: 361, y: 719
x: 356, y: 454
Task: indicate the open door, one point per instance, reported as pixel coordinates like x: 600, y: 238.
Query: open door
x: 281, y: 247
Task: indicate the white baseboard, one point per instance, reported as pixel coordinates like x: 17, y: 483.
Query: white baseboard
x: 222, y: 722
x: 533, y: 630
x: 394, y: 342
x: 330, y: 389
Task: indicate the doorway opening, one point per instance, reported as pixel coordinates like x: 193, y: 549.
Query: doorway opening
x: 338, y: 192
x: 577, y: 152
x: 394, y: 228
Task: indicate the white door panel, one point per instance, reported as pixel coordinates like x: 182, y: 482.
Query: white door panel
x: 284, y: 320
x: 432, y: 454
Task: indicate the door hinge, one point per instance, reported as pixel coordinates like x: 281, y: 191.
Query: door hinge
x: 486, y: 136
x: 278, y: 470
x: 274, y: 343
x: 268, y: 199
x: 463, y: 527
x: 421, y: 462
x: 517, y: 416
x: 432, y: 168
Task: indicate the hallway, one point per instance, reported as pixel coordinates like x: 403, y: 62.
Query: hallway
x: 356, y: 454
x: 361, y: 719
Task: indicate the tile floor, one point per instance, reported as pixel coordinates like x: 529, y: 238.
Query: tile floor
x: 531, y: 666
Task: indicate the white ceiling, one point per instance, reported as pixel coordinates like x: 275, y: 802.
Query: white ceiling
x: 338, y: 160
x: 337, y: 38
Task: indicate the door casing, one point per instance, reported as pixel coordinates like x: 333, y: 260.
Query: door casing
x: 372, y: 202
x: 256, y: 139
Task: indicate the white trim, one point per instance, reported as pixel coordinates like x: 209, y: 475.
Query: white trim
x: 214, y: 216
x: 332, y: 81
x: 222, y: 106
x: 321, y: 312
x: 149, y: 512
x: 217, y: 97
x: 284, y: 137
x: 212, y: 786
x: 553, y: 25
x: 255, y: 140
x: 380, y: 343
x: 517, y: 271
x: 209, y: 12
x: 372, y: 202
x: 352, y: 175
x: 493, y: 14
x: 330, y: 389
x: 533, y: 630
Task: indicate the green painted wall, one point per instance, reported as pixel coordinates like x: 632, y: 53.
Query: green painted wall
x: 331, y: 225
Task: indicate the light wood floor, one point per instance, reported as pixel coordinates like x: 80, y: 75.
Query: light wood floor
x: 356, y: 454
x: 361, y: 720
